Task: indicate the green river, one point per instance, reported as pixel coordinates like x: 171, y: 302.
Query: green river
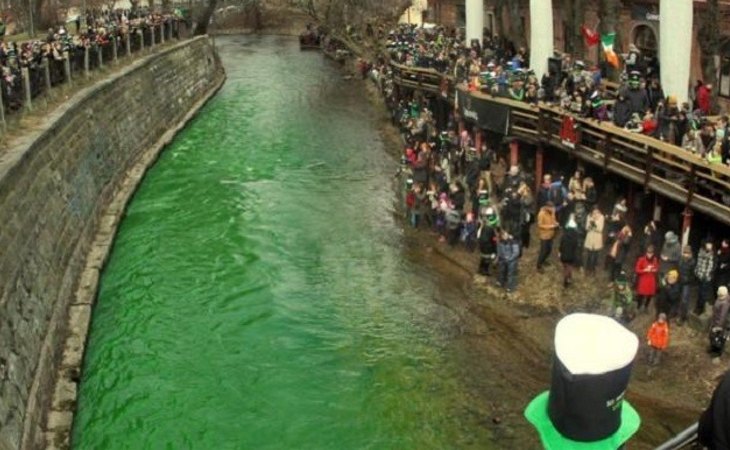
x: 261, y: 293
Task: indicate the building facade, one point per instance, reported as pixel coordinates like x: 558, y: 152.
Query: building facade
x: 638, y: 23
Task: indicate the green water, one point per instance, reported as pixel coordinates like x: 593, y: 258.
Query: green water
x: 260, y: 295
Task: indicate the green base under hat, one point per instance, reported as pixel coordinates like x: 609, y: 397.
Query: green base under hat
x: 537, y: 414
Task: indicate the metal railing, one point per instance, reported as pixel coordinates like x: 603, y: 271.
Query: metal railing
x: 21, y: 85
x: 685, y: 439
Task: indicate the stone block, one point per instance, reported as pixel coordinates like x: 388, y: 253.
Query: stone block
x: 59, y: 420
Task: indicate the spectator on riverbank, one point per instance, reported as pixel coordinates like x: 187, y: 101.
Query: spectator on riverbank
x: 547, y: 225
x: 568, y: 251
x: 646, y: 269
x: 508, y: 254
x: 658, y: 339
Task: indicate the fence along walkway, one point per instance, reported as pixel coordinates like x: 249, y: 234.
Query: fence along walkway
x: 660, y: 167
x: 36, y: 81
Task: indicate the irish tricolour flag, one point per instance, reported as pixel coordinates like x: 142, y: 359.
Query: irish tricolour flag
x: 607, y: 41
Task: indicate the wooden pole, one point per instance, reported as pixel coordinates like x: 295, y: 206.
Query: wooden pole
x: 67, y: 67
x: 86, y: 61
x: 26, y: 88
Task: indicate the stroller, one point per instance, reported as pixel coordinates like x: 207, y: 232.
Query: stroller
x: 718, y: 338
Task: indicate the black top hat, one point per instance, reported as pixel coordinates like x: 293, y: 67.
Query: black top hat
x: 585, y: 407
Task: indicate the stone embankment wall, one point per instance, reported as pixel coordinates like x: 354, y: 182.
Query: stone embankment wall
x: 56, y: 188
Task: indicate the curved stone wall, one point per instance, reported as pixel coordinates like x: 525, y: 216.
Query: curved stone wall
x: 55, y: 191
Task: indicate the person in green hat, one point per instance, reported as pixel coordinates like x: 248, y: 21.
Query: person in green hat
x: 585, y: 408
x: 623, y: 308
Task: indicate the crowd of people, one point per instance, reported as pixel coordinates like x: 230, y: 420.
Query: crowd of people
x: 496, y: 67
x: 470, y: 197
x: 102, y: 30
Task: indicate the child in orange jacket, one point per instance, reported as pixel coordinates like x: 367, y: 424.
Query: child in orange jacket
x: 658, y: 339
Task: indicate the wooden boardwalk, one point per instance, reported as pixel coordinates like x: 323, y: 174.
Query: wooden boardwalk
x: 660, y: 167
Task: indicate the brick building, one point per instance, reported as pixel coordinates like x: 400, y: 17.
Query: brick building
x: 638, y: 23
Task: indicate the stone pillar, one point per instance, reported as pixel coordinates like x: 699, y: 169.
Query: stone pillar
x: 162, y: 33
x: 541, y: 35
x: 474, y: 20
x: 152, y: 36
x: 128, y: 44
x: 115, y: 49
x: 141, y: 40
x: 686, y: 225
x: 67, y: 67
x: 514, y: 153
x: 86, y: 61
x: 675, y: 46
x: 100, y: 56
x: 47, y: 75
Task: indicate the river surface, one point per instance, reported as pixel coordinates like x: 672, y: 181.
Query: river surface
x: 260, y: 293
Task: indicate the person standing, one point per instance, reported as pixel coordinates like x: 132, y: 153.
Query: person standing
x: 618, y: 252
x: 719, y: 324
x: 487, y: 238
x: 508, y: 252
x: 669, y: 296
x: 594, y: 238
x: 704, y: 98
x: 670, y: 254
x: 646, y: 269
x: 704, y: 273
x: 547, y: 224
x: 568, y: 251
x: 658, y: 339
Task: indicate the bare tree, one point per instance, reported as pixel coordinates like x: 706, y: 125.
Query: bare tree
x: 203, y: 18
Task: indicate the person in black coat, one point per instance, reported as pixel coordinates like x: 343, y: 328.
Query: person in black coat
x: 714, y: 425
x: 621, y: 111
x: 487, y: 238
x: 568, y: 251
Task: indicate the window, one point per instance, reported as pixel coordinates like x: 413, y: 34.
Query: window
x: 645, y: 40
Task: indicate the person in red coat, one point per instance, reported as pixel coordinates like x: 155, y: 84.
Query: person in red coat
x: 704, y: 95
x: 646, y: 269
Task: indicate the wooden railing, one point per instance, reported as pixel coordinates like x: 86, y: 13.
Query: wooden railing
x: 660, y: 167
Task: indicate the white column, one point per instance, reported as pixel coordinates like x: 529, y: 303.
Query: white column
x: 474, y: 20
x: 541, y: 35
x: 675, y: 46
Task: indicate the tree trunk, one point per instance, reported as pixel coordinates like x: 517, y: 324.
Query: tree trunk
x: 201, y: 26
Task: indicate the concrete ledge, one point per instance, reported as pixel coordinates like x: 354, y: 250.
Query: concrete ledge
x: 63, y: 406
x: 63, y: 189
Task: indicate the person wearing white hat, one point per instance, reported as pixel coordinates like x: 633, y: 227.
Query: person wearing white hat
x: 585, y: 408
x: 719, y: 323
